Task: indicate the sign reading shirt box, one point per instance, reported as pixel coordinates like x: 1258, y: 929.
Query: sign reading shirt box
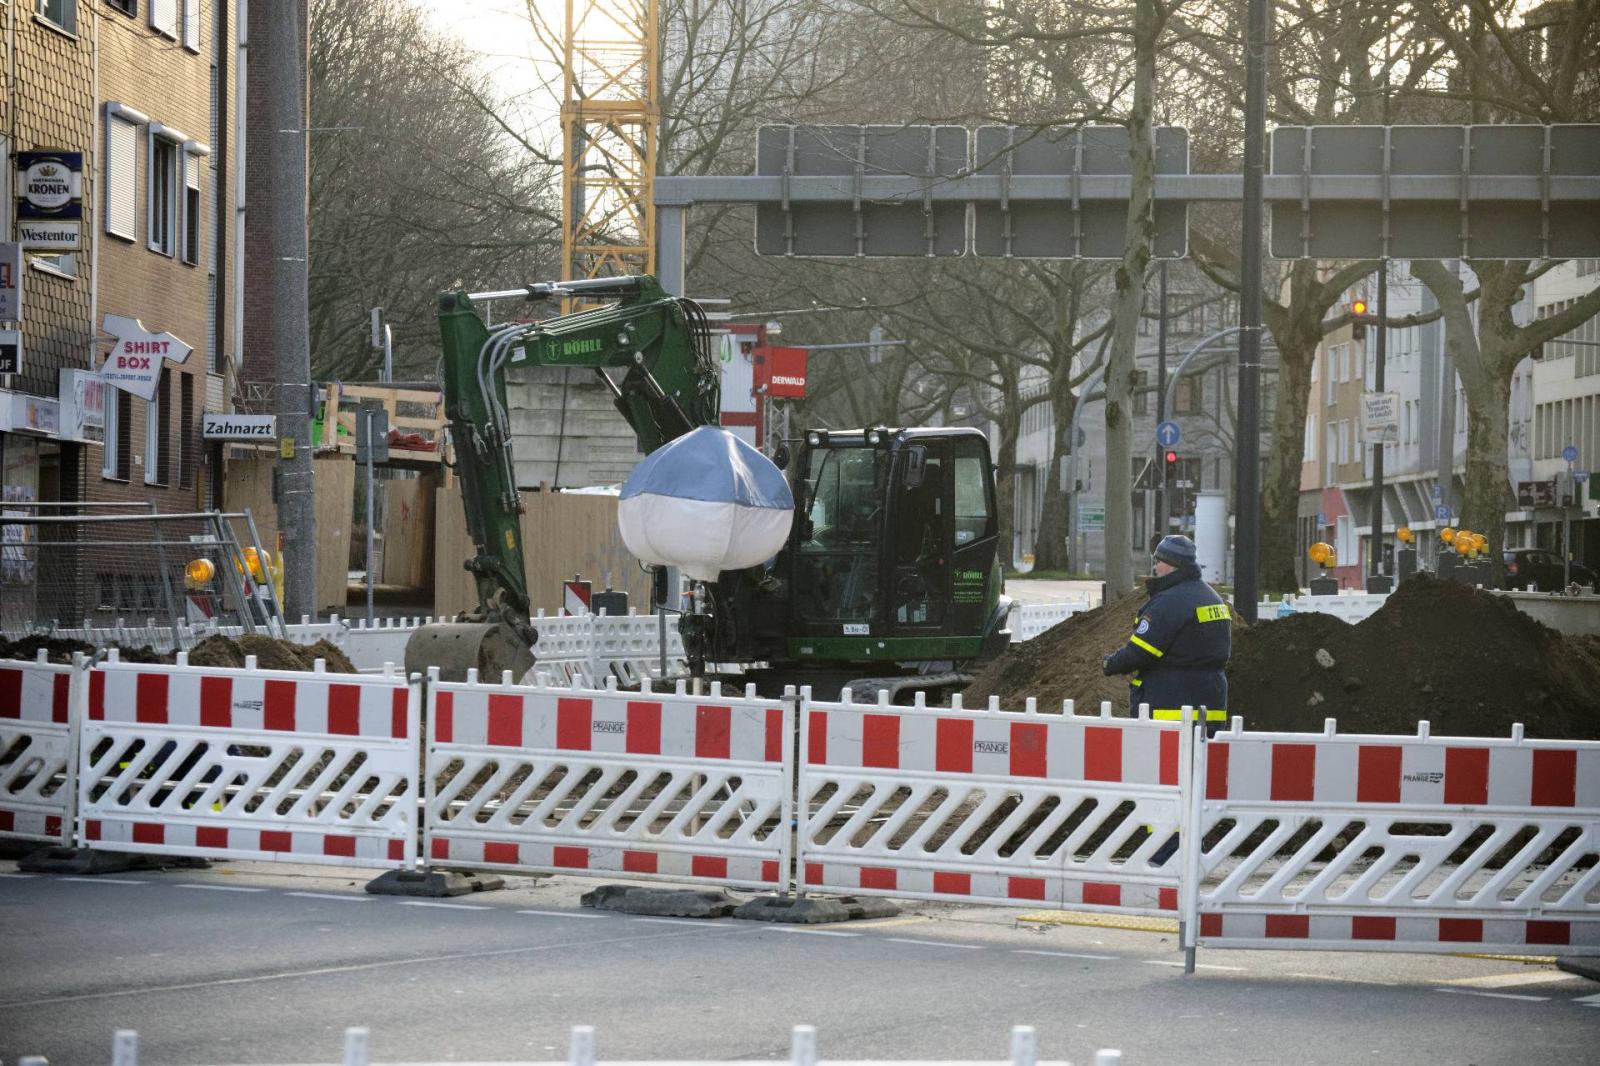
x: 135, y: 362
x: 238, y: 427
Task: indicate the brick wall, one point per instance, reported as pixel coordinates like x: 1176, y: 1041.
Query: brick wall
x: 51, y: 105
x: 171, y: 85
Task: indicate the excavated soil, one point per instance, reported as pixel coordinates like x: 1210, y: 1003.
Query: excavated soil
x: 213, y: 651
x: 1465, y: 660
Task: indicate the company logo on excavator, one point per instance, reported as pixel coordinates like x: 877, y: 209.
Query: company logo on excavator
x: 565, y: 349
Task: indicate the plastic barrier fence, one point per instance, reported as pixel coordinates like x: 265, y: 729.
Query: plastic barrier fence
x: 1352, y: 607
x: 36, y: 746
x: 250, y: 763
x: 1399, y: 843
x: 647, y: 784
x: 1028, y: 620
x: 987, y: 805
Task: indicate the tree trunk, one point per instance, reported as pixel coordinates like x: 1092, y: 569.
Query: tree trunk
x: 1297, y: 342
x: 1488, y: 472
x: 1005, y: 492
x: 1130, y: 277
x: 1051, y: 548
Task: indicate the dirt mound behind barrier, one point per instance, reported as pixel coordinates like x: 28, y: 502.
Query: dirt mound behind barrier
x: 1465, y: 660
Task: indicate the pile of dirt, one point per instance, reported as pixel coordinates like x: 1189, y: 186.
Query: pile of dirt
x: 271, y: 654
x: 60, y: 650
x: 1465, y: 660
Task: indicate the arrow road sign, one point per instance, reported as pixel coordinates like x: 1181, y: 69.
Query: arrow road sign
x: 1168, y: 434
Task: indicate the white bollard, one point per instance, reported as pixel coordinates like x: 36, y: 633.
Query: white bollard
x: 357, y: 1049
x: 803, y: 1046
x: 582, y: 1052
x: 1024, y: 1046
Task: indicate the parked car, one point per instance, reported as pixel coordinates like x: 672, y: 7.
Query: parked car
x: 1541, y: 569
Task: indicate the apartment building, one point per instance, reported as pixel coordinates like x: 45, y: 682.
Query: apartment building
x: 1566, y: 408
x: 125, y: 313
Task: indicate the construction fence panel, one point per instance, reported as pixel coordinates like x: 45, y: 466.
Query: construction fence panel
x: 1029, y: 620
x: 647, y: 784
x: 1403, y: 843
x: 991, y: 806
x: 36, y: 749
x: 250, y: 764
x: 1351, y: 607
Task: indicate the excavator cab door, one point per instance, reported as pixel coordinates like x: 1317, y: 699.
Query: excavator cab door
x: 919, y: 536
x: 837, y: 574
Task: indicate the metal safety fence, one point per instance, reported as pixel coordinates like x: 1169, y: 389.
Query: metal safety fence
x: 1397, y: 843
x: 990, y: 805
x: 648, y: 784
x: 260, y: 764
x: 1277, y: 840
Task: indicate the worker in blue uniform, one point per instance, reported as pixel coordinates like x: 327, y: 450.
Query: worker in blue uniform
x: 1178, y: 651
x: 1182, y: 638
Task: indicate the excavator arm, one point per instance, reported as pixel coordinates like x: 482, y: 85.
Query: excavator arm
x: 652, y: 351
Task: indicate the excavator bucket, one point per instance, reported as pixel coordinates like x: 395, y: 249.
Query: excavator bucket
x: 491, y: 648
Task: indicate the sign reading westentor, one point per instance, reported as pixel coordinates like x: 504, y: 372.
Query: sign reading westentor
x: 49, y: 200
x: 135, y: 360
x: 238, y: 427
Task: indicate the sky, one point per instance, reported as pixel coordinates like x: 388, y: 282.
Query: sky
x: 498, y: 30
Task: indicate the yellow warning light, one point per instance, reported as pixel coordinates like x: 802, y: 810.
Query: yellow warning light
x: 198, y: 573
x: 1405, y: 534
x: 1447, y: 534
x: 1465, y: 545
x: 1321, y: 553
x: 254, y: 561
x: 1359, y: 307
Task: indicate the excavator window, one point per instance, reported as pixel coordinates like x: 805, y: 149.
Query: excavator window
x: 837, y: 564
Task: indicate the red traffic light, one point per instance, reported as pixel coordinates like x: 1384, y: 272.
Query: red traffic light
x: 1172, y: 457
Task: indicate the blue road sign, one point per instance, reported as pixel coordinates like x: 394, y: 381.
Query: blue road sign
x: 1570, y: 453
x: 1168, y: 434
x: 1442, y: 513
x: 1438, y: 492
x: 1322, y: 519
x: 1580, y: 475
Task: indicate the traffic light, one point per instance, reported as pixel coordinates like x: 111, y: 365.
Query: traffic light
x: 1172, y: 459
x: 1358, y: 320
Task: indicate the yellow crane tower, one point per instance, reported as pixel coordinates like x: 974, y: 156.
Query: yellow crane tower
x: 609, y: 119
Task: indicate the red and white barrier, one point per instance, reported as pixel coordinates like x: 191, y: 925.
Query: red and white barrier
x: 647, y: 784
x: 36, y: 746
x: 1399, y: 843
x: 992, y: 806
x: 259, y: 764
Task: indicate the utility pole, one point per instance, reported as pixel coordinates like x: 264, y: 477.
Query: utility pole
x: 1161, y: 408
x: 1377, y: 581
x: 1247, y: 458
x: 287, y: 122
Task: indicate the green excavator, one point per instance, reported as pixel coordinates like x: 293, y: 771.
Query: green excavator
x: 890, y: 578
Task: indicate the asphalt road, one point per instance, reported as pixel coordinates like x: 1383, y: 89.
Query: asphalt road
x: 255, y: 963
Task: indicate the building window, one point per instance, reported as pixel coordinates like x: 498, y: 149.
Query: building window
x: 1186, y: 397
x: 122, y: 176
x: 188, y: 447
x: 164, y: 17
x: 191, y: 209
x: 1141, y: 392
x: 118, y: 464
x: 163, y: 182
x: 61, y: 13
x: 127, y: 7
x: 158, y: 434
x: 191, y: 25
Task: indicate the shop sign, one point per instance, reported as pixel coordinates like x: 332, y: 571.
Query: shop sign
x: 135, y: 360
x: 238, y: 427
x: 22, y: 412
x: 781, y: 372
x: 50, y: 185
x: 48, y: 236
x: 10, y: 282
x: 83, y: 406
x: 10, y: 351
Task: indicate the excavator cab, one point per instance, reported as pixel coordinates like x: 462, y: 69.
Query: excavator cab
x: 893, y: 552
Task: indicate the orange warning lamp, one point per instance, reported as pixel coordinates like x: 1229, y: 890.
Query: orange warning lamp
x: 1321, y: 553
x: 253, y: 561
x: 199, y: 572
x: 1358, y: 307
x: 1447, y: 534
x: 1464, y: 544
x: 1405, y: 534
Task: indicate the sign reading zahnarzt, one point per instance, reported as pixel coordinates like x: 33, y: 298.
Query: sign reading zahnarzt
x: 135, y: 360
x: 238, y: 427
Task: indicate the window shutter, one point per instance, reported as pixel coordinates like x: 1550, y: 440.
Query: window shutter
x: 122, y: 182
x: 164, y: 17
x: 191, y: 24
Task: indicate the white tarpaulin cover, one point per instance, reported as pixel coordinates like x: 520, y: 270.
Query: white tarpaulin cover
x: 705, y: 503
